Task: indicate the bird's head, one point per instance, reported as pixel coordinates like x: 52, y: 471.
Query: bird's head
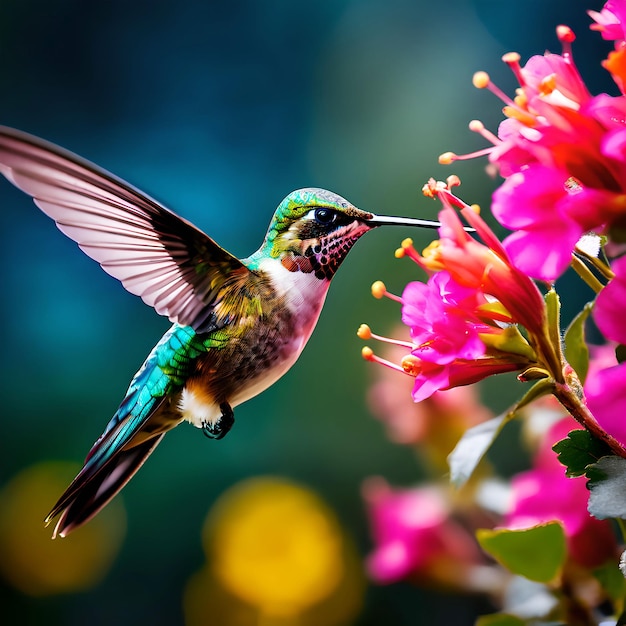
x: 313, y: 230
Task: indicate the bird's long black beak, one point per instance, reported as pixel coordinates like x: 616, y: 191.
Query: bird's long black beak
x: 386, y: 220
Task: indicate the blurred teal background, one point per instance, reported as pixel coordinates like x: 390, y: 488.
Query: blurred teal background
x: 219, y: 109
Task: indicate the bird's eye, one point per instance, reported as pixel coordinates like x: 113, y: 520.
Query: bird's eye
x: 325, y: 216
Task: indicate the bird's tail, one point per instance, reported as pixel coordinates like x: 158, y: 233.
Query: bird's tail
x: 149, y: 409
x: 147, y: 412
x: 90, y: 491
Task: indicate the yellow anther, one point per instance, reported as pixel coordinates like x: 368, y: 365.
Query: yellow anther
x: 379, y: 290
x: 407, y: 243
x: 511, y: 58
x: 525, y: 118
x: 411, y: 365
x: 475, y: 208
x: 446, y: 158
x: 367, y: 353
x: 364, y: 332
x: 432, y: 248
x: 481, y: 80
x: 547, y: 85
x: 433, y: 187
x: 565, y: 34
x: 521, y: 100
x: 399, y: 253
x: 453, y: 181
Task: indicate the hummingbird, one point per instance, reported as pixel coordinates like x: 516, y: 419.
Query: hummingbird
x: 237, y: 324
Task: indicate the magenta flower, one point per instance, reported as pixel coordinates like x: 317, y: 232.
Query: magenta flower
x: 562, y: 153
x: 545, y: 493
x: 463, y: 320
x: 436, y: 424
x: 544, y: 236
x: 610, y: 20
x: 608, y: 311
x: 485, y: 267
x: 605, y: 391
x: 442, y: 318
x: 571, y: 172
x: 414, y: 534
x: 431, y: 377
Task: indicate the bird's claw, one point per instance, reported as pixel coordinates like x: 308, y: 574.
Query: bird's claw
x: 220, y: 427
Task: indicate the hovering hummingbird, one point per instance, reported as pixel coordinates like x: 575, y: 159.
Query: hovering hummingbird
x: 238, y: 325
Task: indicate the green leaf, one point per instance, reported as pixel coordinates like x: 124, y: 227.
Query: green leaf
x: 579, y: 450
x: 537, y: 553
x: 611, y: 580
x: 499, y: 619
x: 576, y: 350
x: 607, y: 483
x: 475, y: 441
x: 471, y: 448
x: 542, y: 387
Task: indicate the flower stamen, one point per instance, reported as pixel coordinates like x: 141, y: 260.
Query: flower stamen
x: 482, y: 80
x: 512, y: 59
x: 365, y: 332
x: 476, y: 126
x: 368, y: 354
x: 567, y: 37
x: 379, y: 291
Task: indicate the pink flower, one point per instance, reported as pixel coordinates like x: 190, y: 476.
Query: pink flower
x: 608, y: 311
x: 436, y: 424
x: 562, y: 153
x: 531, y: 203
x: 485, y: 267
x: 567, y: 169
x: 545, y: 493
x: 463, y: 320
x: 442, y: 319
x: 431, y: 377
x: 414, y: 534
x: 610, y: 20
x: 605, y: 391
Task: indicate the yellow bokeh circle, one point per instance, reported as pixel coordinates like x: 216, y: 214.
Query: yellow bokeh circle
x: 275, y: 545
x: 30, y: 560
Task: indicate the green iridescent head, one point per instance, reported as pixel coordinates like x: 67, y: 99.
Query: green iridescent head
x: 312, y: 230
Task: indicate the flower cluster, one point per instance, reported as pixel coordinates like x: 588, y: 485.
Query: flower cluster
x: 480, y: 313
x: 464, y: 321
x: 488, y: 307
x: 562, y: 153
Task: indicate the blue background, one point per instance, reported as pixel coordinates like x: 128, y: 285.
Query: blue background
x: 219, y: 109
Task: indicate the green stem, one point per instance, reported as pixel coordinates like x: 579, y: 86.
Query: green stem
x: 585, y: 273
x: 600, y: 265
x: 548, y: 343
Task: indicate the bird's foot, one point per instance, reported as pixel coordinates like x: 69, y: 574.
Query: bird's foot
x: 219, y: 428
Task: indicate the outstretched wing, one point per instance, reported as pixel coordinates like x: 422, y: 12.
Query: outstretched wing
x: 173, y: 266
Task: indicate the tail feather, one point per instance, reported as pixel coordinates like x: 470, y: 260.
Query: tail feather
x: 149, y: 409
x: 132, y: 434
x: 90, y: 492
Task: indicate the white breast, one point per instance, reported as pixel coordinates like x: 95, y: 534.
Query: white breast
x: 305, y: 295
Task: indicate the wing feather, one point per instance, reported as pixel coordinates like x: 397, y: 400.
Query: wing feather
x: 173, y: 266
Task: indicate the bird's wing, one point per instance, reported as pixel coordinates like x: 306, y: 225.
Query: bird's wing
x: 173, y: 266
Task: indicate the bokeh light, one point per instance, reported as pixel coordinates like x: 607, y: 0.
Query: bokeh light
x: 29, y: 560
x: 275, y: 551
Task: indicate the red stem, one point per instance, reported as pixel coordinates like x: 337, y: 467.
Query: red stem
x: 577, y: 408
